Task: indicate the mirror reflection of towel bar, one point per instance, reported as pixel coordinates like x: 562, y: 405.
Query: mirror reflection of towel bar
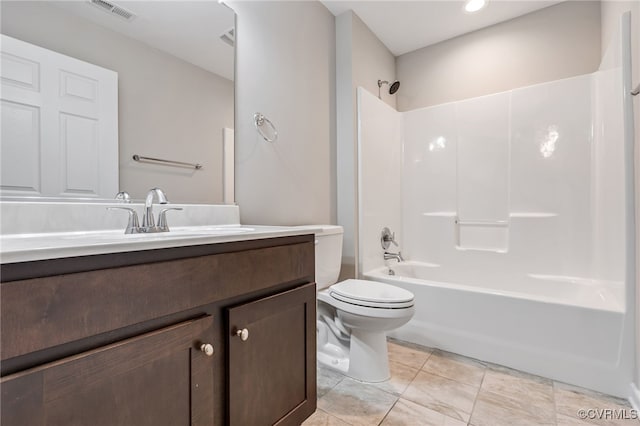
x: 152, y: 160
x: 482, y: 222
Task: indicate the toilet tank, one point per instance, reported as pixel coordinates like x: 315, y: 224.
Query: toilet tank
x: 328, y: 254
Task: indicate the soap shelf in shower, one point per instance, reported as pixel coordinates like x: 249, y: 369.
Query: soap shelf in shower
x: 519, y: 215
x: 439, y: 214
x: 482, y: 235
x: 482, y: 222
x: 532, y: 215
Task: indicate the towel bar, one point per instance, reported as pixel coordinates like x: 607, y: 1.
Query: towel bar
x: 152, y: 160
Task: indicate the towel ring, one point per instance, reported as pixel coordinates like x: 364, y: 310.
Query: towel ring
x: 259, y: 121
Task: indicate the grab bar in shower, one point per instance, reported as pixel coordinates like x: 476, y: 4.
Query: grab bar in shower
x: 481, y: 222
x: 152, y: 160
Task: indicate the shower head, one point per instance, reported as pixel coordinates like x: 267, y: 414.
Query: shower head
x: 393, y: 88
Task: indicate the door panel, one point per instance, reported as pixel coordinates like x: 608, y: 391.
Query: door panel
x: 20, y: 72
x: 79, y: 146
x: 20, y: 149
x: 78, y: 87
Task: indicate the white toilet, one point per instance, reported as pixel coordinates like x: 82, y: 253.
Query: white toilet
x: 354, y: 315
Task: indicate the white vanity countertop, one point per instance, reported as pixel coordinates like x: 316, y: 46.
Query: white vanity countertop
x: 29, y: 247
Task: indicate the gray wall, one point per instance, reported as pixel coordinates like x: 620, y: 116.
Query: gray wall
x: 346, y: 161
x: 285, y: 69
x: 168, y: 108
x: 362, y: 60
x: 372, y: 61
x: 553, y: 43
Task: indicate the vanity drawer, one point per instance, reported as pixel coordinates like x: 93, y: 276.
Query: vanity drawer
x: 40, y: 313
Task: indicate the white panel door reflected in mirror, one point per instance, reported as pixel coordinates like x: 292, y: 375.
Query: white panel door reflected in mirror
x: 60, y: 124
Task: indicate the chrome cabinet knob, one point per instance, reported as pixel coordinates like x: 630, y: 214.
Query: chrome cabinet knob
x: 243, y: 334
x: 207, y: 348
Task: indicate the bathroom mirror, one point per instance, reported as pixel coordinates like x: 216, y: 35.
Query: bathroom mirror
x: 175, y: 90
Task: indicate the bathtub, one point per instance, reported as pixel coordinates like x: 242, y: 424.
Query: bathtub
x: 565, y: 328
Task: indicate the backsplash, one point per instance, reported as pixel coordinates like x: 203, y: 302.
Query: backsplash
x: 18, y: 217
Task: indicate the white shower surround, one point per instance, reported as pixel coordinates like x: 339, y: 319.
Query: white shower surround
x: 539, y: 175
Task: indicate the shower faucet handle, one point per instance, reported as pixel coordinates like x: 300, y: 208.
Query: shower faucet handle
x: 387, y: 237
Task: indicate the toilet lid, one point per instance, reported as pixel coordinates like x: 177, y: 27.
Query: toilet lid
x: 372, y: 293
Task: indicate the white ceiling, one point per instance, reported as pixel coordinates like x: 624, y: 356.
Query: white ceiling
x: 189, y: 30
x: 404, y: 26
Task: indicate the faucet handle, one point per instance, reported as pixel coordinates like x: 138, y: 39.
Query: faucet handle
x: 123, y: 196
x: 387, y: 237
x: 162, y: 218
x: 133, y: 225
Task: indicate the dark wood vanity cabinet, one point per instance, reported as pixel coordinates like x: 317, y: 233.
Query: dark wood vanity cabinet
x: 272, y: 360
x: 120, y: 339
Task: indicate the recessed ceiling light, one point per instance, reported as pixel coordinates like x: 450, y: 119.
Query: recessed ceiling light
x: 471, y: 6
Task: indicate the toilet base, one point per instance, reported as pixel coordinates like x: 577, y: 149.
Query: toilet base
x: 352, y: 339
x: 366, y: 359
x: 369, y: 357
x: 328, y: 357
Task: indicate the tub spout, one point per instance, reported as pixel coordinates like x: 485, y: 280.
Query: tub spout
x: 397, y: 256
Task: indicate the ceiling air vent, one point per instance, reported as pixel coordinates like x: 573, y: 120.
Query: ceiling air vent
x: 229, y: 37
x: 114, y: 9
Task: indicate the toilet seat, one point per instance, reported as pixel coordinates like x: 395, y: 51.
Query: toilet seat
x: 371, y: 294
x: 361, y: 309
x: 374, y: 305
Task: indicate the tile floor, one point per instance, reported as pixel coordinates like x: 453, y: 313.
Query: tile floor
x: 432, y: 387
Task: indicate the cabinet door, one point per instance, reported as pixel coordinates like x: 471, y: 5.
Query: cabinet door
x: 159, y: 378
x: 272, y: 359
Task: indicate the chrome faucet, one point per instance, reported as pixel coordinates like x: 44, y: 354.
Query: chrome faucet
x: 147, y: 220
x: 386, y: 239
x: 148, y: 223
x: 397, y: 256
